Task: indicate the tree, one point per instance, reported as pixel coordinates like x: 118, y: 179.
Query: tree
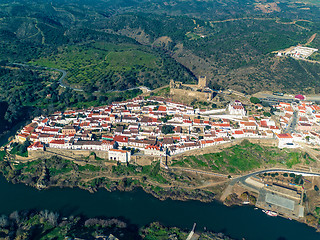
x: 15, y: 216
x: 116, y: 145
x: 255, y: 100
x: 53, y: 218
x: 266, y: 114
x: 167, y: 129
x: 207, y: 127
x: 4, y: 221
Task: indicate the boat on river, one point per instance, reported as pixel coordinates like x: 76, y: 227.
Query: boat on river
x: 270, y: 213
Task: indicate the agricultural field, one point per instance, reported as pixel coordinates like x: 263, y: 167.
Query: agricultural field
x: 107, y: 66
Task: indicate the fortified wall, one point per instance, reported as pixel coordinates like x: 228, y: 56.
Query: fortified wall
x: 182, y: 93
x: 219, y: 148
x: 201, y: 92
x: 68, y: 154
x: 82, y: 155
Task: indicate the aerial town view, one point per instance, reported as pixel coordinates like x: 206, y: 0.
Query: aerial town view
x: 160, y: 119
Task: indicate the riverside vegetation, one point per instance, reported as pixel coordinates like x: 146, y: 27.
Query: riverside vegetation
x: 50, y: 225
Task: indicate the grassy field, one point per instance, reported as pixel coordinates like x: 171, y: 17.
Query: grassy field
x: 242, y: 158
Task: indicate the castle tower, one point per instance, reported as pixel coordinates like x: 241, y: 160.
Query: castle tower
x: 172, y: 85
x: 202, y: 82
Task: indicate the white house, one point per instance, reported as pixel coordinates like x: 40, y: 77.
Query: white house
x: 285, y: 140
x: 119, y: 155
x: 236, y: 108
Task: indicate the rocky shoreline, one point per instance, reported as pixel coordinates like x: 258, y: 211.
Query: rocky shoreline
x: 174, y: 193
x: 41, y: 181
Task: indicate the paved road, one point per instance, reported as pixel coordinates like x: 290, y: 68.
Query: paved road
x: 64, y: 74
x: 303, y: 173
x: 242, y: 179
x: 293, y: 123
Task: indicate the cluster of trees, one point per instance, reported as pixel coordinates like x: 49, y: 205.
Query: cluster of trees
x: 26, y: 93
x: 105, y: 223
x: 167, y: 129
x: 18, y: 226
x: 20, y: 148
x: 46, y: 224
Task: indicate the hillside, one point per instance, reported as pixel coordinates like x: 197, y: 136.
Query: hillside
x: 107, y: 66
x: 234, y: 54
x: 107, y: 45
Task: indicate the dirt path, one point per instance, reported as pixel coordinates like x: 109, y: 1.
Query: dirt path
x: 245, y: 18
x: 43, y: 39
x: 311, y: 38
x: 265, y: 19
x: 200, y: 171
x: 162, y: 185
x: 62, y: 10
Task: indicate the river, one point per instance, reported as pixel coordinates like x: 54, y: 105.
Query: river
x: 141, y: 208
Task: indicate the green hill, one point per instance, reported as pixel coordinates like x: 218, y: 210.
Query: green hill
x: 108, y: 66
x: 110, y: 45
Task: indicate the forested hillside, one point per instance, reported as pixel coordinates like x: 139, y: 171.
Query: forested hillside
x: 117, y: 45
x: 107, y: 45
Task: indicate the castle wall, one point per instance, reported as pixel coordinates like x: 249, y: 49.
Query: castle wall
x: 68, y: 154
x: 200, y: 96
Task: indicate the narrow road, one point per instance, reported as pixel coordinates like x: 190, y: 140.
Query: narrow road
x: 243, y: 178
x: 199, y: 171
x: 64, y: 74
x: 293, y: 123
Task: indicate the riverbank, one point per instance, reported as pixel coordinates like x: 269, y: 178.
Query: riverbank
x: 46, y: 224
x: 57, y: 172
x: 94, y: 175
x: 140, y: 208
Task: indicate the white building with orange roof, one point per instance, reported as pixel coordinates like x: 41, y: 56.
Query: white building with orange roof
x: 236, y: 108
x: 285, y: 140
x: 153, y: 151
x: 248, y: 125
x: 36, y: 146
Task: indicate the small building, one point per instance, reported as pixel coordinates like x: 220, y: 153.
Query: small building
x: 236, y: 108
x: 153, y: 150
x: 285, y: 140
x: 22, y: 137
x: 66, y: 130
x: 119, y: 155
x: 299, y: 97
x: 36, y: 146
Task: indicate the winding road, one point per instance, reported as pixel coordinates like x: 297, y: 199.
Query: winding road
x: 243, y: 178
x: 64, y: 74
